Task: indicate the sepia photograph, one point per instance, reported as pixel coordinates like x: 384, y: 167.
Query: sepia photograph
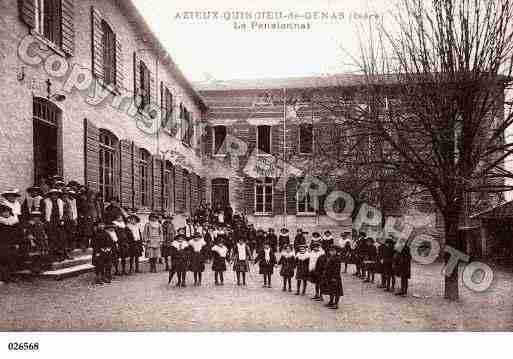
x: 334, y: 166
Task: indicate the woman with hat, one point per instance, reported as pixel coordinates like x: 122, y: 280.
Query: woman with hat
x: 32, y: 202
x: 10, y: 199
x: 135, y: 240
x: 283, y: 239
x: 153, y: 237
x: 89, y: 212
x: 219, y: 259
x: 54, y: 218
x: 9, y: 234
x: 70, y: 216
x: 332, y: 280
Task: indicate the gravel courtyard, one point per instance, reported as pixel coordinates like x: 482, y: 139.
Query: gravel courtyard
x: 145, y: 302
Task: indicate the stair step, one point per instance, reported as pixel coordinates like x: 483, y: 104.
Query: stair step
x: 83, y: 259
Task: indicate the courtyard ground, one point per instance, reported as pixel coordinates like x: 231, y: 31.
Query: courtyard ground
x: 145, y: 302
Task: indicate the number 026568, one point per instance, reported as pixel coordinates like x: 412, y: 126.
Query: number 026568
x: 14, y: 346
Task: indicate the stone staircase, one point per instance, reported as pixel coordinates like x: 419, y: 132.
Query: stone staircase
x: 80, y: 264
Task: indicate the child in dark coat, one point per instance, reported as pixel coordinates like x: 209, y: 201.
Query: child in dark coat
x: 103, y: 248
x: 288, y: 263
x: 302, y: 262
x: 266, y: 260
x: 332, y: 279
x: 179, y: 258
x: 219, y: 258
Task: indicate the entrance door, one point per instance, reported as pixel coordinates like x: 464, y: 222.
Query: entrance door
x: 220, y: 192
x: 45, y: 123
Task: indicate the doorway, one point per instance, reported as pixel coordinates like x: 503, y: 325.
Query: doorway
x: 220, y: 193
x: 46, y: 120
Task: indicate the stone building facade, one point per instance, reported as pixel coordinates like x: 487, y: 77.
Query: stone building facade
x: 85, y: 84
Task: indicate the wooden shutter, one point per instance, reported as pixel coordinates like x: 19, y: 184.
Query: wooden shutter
x: 27, y: 12
x: 291, y: 195
x: 137, y: 77
x: 209, y: 139
x: 97, y: 43
x: 157, y: 183
x: 120, y: 67
x: 92, y: 156
x: 278, y: 198
x: 153, y: 86
x: 179, y: 190
x: 249, y: 195
x: 277, y: 140
x: 126, y: 176
x: 67, y: 26
x: 137, y: 177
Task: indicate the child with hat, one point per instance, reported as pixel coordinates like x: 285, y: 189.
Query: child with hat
x: 10, y: 199
x: 332, y: 280
x: 302, y: 263
x: 103, y: 243
x: 179, y: 258
x: 272, y: 240
x: 169, y: 236
x: 219, y: 259
x: 327, y: 241
x: 197, y: 257
x: 288, y: 263
x: 299, y: 240
x: 266, y: 260
x: 36, y: 239
x: 316, y: 239
x: 369, y: 261
x: 53, y: 208
x: 136, y: 242
x: 123, y: 245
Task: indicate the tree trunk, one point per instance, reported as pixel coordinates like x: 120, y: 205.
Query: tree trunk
x: 451, y: 282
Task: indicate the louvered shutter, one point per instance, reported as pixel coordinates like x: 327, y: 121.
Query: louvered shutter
x: 92, y: 155
x: 126, y: 165
x: 157, y: 183
x: 249, y: 195
x: 152, y: 86
x: 209, y: 138
x: 137, y: 176
x: 27, y: 12
x: 97, y: 43
x: 120, y: 64
x: 278, y: 198
x: 291, y: 195
x: 67, y: 26
x: 179, y: 190
x: 137, y: 78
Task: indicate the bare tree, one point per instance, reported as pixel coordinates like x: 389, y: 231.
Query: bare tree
x: 432, y: 96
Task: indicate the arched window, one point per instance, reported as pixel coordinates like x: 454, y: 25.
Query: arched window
x: 108, y: 155
x: 144, y: 177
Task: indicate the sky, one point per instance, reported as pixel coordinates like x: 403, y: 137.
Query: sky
x: 206, y: 47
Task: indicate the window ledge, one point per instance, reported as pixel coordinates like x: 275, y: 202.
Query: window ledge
x: 219, y: 155
x: 305, y: 154
x: 263, y: 214
x: 113, y: 89
x: 306, y: 214
x: 52, y: 46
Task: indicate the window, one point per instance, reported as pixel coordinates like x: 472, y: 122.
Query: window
x: 109, y: 54
x: 306, y: 204
x: 168, y: 108
x: 144, y: 177
x: 306, y: 138
x: 219, y: 137
x: 168, y: 186
x: 48, y: 20
x: 186, y: 125
x: 264, y: 196
x: 144, y: 86
x: 264, y: 139
x: 108, y: 163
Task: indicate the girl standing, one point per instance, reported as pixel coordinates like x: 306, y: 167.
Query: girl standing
x: 302, y: 262
x: 179, y: 258
x: 288, y: 263
x: 315, y: 269
x: 153, y: 237
x: 266, y: 260
x: 332, y: 278
x: 197, y: 265
x: 219, y: 252
x: 135, y: 240
x: 241, y: 257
